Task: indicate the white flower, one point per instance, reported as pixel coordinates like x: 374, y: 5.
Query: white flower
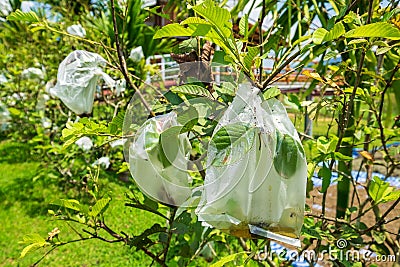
x: 105, y: 161
x: 77, y: 30
x: 85, y: 143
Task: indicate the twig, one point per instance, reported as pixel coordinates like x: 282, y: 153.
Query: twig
x: 154, y: 257
x: 286, y: 74
x: 381, y: 221
x: 260, y: 69
x: 335, y: 220
x: 171, y: 222
x: 111, y: 232
x: 94, y: 235
x: 122, y: 61
x: 279, y: 69
x: 381, y: 128
x: 56, y: 246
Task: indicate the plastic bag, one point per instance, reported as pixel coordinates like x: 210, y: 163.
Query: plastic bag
x: 120, y: 87
x: 85, y: 143
x: 158, y: 159
x: 77, y: 80
x: 136, y: 54
x: 256, y: 176
x: 5, y: 7
x: 103, y: 161
x: 4, y: 116
x: 3, y: 79
x: 76, y: 30
x: 33, y: 73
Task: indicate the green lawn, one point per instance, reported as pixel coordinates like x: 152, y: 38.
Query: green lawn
x: 24, y: 204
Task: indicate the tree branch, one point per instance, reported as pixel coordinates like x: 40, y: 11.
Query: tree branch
x: 279, y: 69
x: 122, y: 61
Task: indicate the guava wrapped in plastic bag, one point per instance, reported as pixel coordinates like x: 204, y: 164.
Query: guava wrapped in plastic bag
x: 77, y: 30
x: 77, y: 79
x: 33, y: 73
x: 4, y: 116
x: 256, y: 176
x: 158, y: 160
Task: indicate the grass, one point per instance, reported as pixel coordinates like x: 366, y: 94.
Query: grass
x: 24, y: 204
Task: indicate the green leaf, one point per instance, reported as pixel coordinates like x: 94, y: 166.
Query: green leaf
x: 383, y: 50
x: 216, y: 15
x: 331, y: 54
x: 99, y: 207
x: 287, y: 153
x: 381, y: 249
x: 378, y: 29
x: 172, y: 30
x: 32, y: 238
x: 319, y: 35
x: 142, y: 240
x: 191, y: 89
x: 169, y: 136
x: 117, y: 123
x: 322, y: 35
x: 326, y: 175
x: 188, y: 118
x: 68, y: 203
x: 200, y: 29
x: 380, y: 191
x: 340, y: 156
x: 251, y: 54
x: 244, y: 25
x: 31, y: 247
x: 337, y: 31
x: 271, y: 92
x: 194, y: 20
x: 18, y: 15
x: 229, y: 137
x: 325, y: 145
x: 379, y: 237
x: 222, y: 262
x: 227, y: 88
x: 393, y: 195
x: 357, y: 41
x: 14, y: 111
x: 35, y: 241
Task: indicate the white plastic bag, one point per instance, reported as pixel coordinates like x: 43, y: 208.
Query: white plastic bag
x: 77, y: 80
x: 33, y: 73
x: 103, y: 161
x: 136, y: 54
x: 3, y: 79
x: 256, y: 176
x: 76, y: 30
x: 4, y: 116
x: 120, y: 87
x: 85, y: 143
x: 5, y: 7
x: 158, y: 160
